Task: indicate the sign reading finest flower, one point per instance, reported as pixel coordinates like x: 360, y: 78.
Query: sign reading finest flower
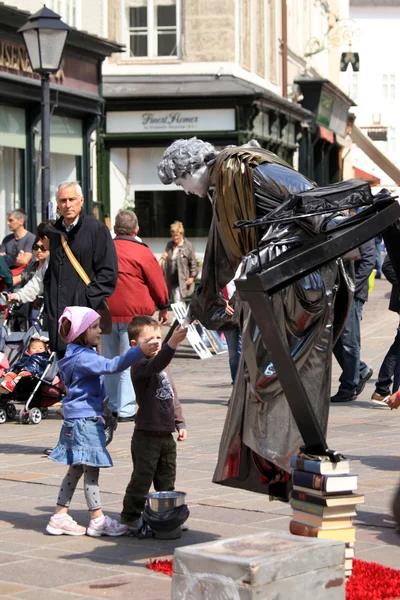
x: 174, y: 120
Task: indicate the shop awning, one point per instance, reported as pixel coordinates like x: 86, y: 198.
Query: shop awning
x: 368, y: 177
x: 369, y: 148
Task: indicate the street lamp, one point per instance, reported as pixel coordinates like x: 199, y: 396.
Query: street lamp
x: 45, y: 36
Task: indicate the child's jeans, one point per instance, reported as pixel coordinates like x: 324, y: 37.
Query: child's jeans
x: 154, y: 462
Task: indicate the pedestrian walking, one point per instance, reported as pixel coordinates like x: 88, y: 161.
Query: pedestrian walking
x: 233, y: 336
x: 390, y: 367
x: 81, y: 250
x: 355, y: 373
x: 159, y: 414
x: 180, y: 264
x: 140, y: 289
x: 82, y: 442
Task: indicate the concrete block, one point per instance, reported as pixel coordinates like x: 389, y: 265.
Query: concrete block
x: 268, y: 566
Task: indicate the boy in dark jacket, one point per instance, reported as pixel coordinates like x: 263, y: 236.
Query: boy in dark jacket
x: 33, y: 362
x: 158, y: 415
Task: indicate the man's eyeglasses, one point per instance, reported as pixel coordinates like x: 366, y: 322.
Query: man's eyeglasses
x: 39, y: 247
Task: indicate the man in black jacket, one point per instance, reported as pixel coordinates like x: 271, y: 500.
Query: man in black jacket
x: 355, y: 373
x: 390, y: 368
x: 92, y: 245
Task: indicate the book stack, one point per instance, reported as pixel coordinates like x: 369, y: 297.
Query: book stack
x: 324, y: 501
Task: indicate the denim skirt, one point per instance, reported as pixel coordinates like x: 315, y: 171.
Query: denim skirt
x: 82, y: 442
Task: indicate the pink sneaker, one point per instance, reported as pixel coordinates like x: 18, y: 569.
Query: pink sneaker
x: 108, y: 527
x: 67, y: 527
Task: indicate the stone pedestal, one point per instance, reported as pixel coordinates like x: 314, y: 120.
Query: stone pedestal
x: 267, y: 566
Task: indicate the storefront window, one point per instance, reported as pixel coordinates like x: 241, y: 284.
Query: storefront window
x: 156, y: 210
x: 12, y: 151
x: 65, y: 157
x: 11, y: 161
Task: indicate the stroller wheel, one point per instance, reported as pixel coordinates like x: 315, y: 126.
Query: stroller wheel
x: 45, y: 412
x: 3, y: 416
x: 35, y: 415
x: 11, y: 410
x: 24, y: 417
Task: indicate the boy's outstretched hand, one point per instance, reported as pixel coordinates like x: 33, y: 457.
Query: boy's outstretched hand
x: 182, y: 435
x: 150, y: 348
x: 177, y: 337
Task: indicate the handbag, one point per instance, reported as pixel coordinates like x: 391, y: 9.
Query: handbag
x: 103, y: 309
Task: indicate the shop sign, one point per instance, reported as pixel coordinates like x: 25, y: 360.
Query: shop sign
x: 74, y: 72
x: 332, y: 113
x: 171, y: 120
x: 14, y: 57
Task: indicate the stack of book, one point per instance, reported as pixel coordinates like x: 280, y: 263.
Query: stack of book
x: 324, y: 500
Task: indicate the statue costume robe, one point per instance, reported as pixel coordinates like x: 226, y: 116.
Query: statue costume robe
x: 260, y: 434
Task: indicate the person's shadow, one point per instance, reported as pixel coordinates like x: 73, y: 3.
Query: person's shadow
x: 113, y: 550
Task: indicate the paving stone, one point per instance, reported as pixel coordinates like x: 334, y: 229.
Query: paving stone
x: 124, y: 586
x: 29, y: 482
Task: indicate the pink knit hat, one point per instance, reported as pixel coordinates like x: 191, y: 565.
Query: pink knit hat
x: 80, y: 317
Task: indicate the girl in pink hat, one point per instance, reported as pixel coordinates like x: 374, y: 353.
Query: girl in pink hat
x: 82, y: 443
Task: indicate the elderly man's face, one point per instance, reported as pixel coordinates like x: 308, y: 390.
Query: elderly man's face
x: 70, y: 203
x: 195, y: 183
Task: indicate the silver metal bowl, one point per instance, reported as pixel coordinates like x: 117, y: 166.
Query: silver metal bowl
x: 164, y: 501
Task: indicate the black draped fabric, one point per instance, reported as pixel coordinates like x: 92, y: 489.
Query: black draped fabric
x: 260, y: 434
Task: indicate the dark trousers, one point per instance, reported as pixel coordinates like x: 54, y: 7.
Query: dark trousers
x: 347, y: 350
x: 234, y: 342
x: 154, y: 462
x: 390, y: 369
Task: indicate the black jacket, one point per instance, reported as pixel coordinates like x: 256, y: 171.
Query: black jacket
x: 363, y: 269
x: 92, y: 245
x: 389, y: 273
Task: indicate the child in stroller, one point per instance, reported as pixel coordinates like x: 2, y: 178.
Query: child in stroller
x: 33, y: 362
x: 31, y: 378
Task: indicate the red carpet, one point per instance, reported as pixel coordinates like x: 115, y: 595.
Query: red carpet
x: 162, y: 566
x: 369, y: 581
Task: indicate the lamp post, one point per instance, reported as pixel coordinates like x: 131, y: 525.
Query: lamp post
x: 45, y: 35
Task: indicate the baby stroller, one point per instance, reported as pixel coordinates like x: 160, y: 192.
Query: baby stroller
x: 21, y: 316
x: 35, y: 393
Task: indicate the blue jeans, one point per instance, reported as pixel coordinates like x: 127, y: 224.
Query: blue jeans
x: 119, y: 386
x: 234, y: 341
x: 347, y: 350
x: 390, y: 369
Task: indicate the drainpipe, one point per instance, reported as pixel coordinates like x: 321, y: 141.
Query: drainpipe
x: 284, y: 49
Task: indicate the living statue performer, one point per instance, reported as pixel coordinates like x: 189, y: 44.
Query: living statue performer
x: 248, y: 185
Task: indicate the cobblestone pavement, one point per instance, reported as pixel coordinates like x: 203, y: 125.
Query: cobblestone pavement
x: 36, y: 565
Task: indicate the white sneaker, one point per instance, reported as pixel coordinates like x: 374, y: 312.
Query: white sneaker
x: 109, y: 527
x: 185, y: 526
x: 66, y: 526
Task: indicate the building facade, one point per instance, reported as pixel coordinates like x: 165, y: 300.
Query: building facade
x: 76, y: 110
x: 375, y: 86
x: 223, y: 71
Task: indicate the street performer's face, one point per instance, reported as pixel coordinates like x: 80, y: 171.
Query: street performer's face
x: 70, y: 203
x: 196, y: 183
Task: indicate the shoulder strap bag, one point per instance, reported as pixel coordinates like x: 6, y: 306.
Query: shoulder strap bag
x: 103, y: 310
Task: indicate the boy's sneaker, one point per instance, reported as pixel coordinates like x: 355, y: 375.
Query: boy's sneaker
x: 66, y: 526
x: 380, y: 399
x: 185, y: 526
x: 107, y: 526
x: 7, y: 386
